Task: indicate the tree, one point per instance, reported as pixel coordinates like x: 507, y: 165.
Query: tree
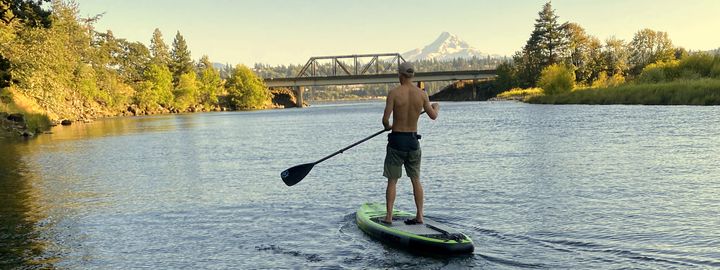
x: 209, y: 82
x: 557, y: 79
x: 649, y: 46
x: 546, y: 44
x: 246, y: 90
x: 28, y: 12
x: 133, y: 60
x: 158, y: 49
x: 180, y: 63
x: 156, y: 90
x: 615, y: 56
x: 186, y: 92
x: 583, y: 52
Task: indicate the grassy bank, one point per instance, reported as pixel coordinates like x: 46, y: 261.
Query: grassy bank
x: 680, y: 92
x: 31, y: 121
x: 519, y: 94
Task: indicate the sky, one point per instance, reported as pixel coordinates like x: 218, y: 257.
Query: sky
x: 290, y: 32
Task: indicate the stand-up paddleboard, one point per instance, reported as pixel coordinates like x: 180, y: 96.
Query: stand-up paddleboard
x: 431, y: 238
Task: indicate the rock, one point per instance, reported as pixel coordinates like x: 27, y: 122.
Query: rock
x: 16, y: 117
x: 66, y: 122
x: 27, y: 134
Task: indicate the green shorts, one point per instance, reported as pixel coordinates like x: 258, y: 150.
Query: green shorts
x: 395, y: 159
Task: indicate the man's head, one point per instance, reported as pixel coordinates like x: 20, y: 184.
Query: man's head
x: 406, y: 70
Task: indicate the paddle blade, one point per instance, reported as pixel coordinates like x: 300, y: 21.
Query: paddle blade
x: 296, y: 174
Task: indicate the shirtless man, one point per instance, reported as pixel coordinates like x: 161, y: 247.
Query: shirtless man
x: 405, y: 103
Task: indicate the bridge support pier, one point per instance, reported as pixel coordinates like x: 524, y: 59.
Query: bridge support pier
x: 475, y: 90
x: 299, y: 96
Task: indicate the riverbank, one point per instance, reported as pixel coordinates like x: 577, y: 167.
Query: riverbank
x: 680, y: 92
x: 466, y: 91
x: 20, y: 117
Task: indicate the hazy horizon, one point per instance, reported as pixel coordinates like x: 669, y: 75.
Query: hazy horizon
x: 278, y: 32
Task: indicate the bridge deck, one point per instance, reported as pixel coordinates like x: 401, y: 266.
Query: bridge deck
x: 380, y: 78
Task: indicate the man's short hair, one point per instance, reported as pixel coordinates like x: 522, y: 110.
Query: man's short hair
x: 406, y: 69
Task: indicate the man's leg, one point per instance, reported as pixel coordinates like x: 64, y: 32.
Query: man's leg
x: 390, y: 198
x: 418, y: 194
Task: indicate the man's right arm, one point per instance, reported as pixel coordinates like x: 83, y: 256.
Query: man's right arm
x: 389, y: 104
x: 430, y: 108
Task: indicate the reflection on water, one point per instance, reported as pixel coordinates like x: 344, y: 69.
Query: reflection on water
x: 534, y: 186
x: 22, y: 240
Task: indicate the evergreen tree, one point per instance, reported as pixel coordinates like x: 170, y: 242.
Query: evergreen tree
x: 158, y: 49
x: 546, y: 44
x: 181, y: 63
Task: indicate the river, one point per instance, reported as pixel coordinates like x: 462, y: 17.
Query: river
x: 534, y: 186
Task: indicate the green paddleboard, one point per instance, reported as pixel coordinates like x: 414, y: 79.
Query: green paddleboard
x: 430, y: 238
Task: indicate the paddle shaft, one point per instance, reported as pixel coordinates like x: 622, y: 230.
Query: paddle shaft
x: 354, y: 144
x: 350, y: 146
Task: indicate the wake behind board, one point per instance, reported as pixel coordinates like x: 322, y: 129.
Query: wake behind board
x: 431, y: 238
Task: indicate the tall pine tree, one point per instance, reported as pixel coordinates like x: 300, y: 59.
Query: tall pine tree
x: 181, y: 63
x: 546, y: 45
x: 159, y: 50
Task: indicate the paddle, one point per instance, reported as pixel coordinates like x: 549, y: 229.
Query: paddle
x: 296, y: 174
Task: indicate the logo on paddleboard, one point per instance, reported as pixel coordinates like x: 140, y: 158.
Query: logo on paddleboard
x: 284, y: 174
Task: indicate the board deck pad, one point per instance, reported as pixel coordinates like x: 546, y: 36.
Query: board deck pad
x: 431, y: 237
x: 434, y: 227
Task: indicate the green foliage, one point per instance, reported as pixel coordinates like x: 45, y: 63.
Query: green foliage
x: 649, y: 46
x: 209, y: 82
x: 520, y: 93
x: 28, y: 12
x: 700, y: 63
x: 679, y: 92
x: 605, y: 81
x: 507, y: 76
x: 159, y: 50
x: 180, y: 61
x: 156, y: 90
x: 37, y: 122
x: 186, y: 92
x: 660, y: 72
x: 583, y: 52
x: 715, y: 71
x: 246, y: 90
x: 615, y: 57
x: 556, y: 79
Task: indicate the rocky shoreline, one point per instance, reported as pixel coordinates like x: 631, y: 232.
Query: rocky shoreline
x: 13, y: 125
x: 466, y: 91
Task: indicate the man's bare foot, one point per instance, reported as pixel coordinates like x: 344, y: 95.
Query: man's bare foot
x: 413, y: 221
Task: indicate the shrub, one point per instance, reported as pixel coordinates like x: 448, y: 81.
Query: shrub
x: 700, y: 63
x: 246, y: 90
x: 604, y: 81
x: 520, y: 93
x: 660, y: 72
x: 557, y: 79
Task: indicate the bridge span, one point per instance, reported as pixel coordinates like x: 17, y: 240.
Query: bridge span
x: 364, y: 69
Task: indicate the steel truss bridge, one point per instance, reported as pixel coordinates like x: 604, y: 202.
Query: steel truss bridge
x: 364, y: 69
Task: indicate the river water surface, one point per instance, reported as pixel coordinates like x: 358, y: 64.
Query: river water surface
x: 534, y: 186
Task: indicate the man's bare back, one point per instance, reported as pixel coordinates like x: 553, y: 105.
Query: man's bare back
x: 405, y: 103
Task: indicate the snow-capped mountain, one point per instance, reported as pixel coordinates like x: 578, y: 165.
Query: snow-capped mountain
x: 446, y: 46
